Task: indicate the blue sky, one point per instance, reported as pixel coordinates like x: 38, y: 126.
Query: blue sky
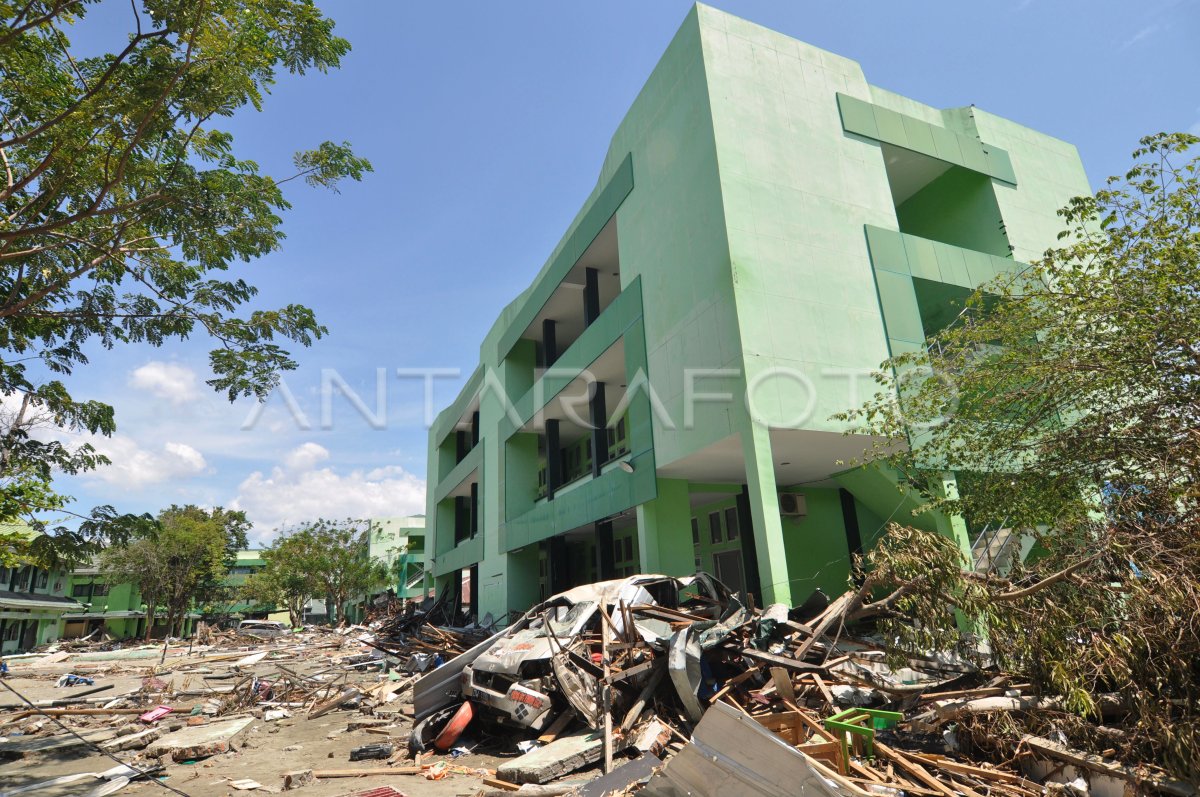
x: 486, y: 124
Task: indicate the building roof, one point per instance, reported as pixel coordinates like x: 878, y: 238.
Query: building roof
x: 30, y: 600
x: 407, y: 522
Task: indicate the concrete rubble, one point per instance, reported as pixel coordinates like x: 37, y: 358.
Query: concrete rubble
x: 666, y: 687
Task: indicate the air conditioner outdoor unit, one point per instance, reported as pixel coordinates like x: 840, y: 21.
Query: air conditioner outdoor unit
x: 793, y: 505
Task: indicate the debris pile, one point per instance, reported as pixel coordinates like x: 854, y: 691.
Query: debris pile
x: 665, y: 679
x: 647, y: 685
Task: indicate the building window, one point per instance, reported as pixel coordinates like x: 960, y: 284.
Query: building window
x: 695, y: 531
x: 101, y: 589
x: 732, y: 529
x: 714, y: 527
x: 43, y: 578
x: 11, y: 632
x: 79, y: 591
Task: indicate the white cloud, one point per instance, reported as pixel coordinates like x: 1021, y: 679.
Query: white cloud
x: 305, y: 456
x: 134, y: 466
x: 298, y: 491
x: 171, y: 381
x: 1137, y: 37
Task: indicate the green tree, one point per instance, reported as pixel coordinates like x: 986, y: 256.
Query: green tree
x: 335, y: 555
x: 1072, y: 418
x: 286, y: 579
x: 124, y: 205
x: 182, y: 563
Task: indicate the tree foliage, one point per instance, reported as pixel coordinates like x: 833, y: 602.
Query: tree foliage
x: 284, y: 580
x: 1072, y: 417
x: 324, y: 557
x: 123, y: 205
x: 182, y: 562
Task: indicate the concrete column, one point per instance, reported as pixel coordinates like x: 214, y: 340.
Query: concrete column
x: 474, y: 509
x: 558, y: 567
x: 549, y: 344
x: 598, y: 416
x: 554, y: 474
x: 749, y: 548
x: 853, y: 533
x: 591, y: 296
x: 665, y: 531
x: 762, y: 492
x: 605, y: 561
x: 953, y: 526
x: 473, y: 605
x: 522, y: 578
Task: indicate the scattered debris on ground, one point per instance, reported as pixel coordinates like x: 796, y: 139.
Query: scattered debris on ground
x: 648, y: 685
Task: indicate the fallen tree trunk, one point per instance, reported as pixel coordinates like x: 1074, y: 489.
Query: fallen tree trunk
x: 1109, y: 705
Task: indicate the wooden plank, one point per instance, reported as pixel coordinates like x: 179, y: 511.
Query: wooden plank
x: 358, y: 773
x: 606, y: 692
x: 629, y: 672
x: 558, y: 726
x: 919, y: 772
x: 781, y: 661
x: 825, y: 693
x: 783, y: 683
x: 958, y: 768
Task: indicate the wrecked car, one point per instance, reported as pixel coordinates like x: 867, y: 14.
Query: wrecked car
x: 551, y: 657
x: 263, y: 629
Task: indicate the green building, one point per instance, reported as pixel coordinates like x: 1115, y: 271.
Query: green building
x: 33, y: 601
x: 767, y: 228
x: 116, y: 608
x: 399, y: 542
x: 248, y: 562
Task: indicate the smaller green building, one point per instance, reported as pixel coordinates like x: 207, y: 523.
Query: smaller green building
x: 32, y: 601
x: 399, y: 542
x: 248, y: 563
x: 117, y: 608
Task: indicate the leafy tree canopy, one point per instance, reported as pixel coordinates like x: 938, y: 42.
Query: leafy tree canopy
x: 124, y: 205
x: 329, y: 558
x: 1071, y: 418
x: 180, y: 562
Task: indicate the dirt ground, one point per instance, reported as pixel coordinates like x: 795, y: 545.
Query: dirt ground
x: 269, y: 748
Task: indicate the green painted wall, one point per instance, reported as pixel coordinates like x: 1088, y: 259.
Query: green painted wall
x: 957, y: 208
x: 757, y: 234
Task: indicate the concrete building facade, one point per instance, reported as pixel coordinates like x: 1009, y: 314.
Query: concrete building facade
x: 32, y: 605
x: 399, y: 542
x: 767, y: 228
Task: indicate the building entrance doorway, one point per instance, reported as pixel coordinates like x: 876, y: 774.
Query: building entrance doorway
x: 728, y: 565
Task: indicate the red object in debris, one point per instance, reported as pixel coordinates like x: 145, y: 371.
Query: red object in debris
x: 382, y: 791
x: 155, y: 714
x: 455, y: 727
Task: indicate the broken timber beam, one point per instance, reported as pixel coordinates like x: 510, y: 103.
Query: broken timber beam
x: 781, y: 661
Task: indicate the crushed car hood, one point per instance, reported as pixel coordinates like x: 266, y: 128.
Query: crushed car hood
x: 509, y: 652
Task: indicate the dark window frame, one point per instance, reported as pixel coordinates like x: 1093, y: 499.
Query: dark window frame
x: 733, y: 527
